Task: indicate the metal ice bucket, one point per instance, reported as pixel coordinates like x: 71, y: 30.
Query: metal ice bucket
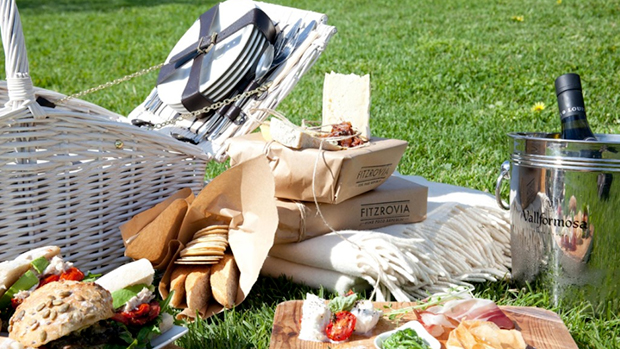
x: 565, y: 217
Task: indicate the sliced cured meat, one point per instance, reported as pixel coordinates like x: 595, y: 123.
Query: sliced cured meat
x: 437, y: 319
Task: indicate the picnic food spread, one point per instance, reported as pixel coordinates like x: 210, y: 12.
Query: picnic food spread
x: 29, y: 271
x: 70, y: 311
x: 287, y: 183
x: 466, y: 323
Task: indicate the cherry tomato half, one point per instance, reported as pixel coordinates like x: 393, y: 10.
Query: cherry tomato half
x: 341, y: 327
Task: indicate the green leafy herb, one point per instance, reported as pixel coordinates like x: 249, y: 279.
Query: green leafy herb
x: 453, y: 293
x: 405, y: 339
x: 91, y: 277
x: 164, y: 304
x: 341, y: 303
x: 147, y: 332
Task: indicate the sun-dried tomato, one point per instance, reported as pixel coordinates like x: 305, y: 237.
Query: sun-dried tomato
x: 345, y: 129
x: 140, y: 316
x: 73, y: 274
x: 15, y: 302
x: 47, y: 279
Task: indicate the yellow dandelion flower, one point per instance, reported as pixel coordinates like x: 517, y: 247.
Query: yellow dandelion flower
x: 559, y: 2
x: 538, y: 107
x: 517, y: 18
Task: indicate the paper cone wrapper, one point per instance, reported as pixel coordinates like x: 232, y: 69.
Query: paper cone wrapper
x: 243, y: 197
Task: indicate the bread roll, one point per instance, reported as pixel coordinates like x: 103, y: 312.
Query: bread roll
x: 177, y: 284
x: 198, y: 288
x: 75, y: 305
x: 225, y: 281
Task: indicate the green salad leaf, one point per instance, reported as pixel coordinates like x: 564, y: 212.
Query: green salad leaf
x: 90, y: 277
x: 405, y: 339
x: 341, y: 303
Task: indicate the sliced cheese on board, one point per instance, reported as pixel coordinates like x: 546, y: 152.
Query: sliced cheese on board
x: 347, y: 98
x: 295, y: 137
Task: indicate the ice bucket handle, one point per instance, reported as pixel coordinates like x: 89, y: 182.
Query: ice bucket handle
x: 503, y: 174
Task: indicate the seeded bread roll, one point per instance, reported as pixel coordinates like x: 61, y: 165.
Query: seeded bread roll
x: 58, y: 309
x: 225, y: 281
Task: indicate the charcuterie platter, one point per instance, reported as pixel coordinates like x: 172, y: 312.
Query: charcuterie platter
x: 541, y: 329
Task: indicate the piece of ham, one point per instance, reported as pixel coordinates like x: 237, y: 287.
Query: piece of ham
x: 437, y: 319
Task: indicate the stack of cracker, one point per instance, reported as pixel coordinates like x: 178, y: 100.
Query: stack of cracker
x: 206, y: 247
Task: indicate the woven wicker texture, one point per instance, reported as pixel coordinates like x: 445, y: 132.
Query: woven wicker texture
x: 71, y: 175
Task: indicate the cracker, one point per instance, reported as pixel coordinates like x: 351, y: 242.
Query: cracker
x: 201, y: 252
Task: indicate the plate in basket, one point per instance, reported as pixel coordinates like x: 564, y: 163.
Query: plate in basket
x: 223, y: 57
x: 223, y: 87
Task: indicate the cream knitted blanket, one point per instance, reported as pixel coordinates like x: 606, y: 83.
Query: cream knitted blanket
x: 465, y: 238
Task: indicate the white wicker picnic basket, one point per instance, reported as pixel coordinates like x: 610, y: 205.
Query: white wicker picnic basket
x: 71, y: 175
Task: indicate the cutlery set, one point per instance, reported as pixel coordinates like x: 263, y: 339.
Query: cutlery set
x: 227, y: 68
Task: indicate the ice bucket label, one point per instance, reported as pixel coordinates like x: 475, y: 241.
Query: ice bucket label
x: 369, y: 175
x: 540, y: 218
x: 384, y: 212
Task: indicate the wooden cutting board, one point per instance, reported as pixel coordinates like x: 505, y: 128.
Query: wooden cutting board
x: 541, y: 329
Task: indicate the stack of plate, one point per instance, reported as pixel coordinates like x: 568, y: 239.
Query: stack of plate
x: 224, y: 66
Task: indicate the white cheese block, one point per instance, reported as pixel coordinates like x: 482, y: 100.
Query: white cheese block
x: 315, y: 315
x: 347, y: 98
x: 137, y: 272
x: 295, y: 137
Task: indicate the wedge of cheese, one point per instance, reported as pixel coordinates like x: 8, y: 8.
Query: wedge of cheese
x: 347, y: 98
x: 296, y: 137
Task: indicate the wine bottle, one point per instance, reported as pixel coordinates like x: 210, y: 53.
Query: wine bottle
x: 572, y: 108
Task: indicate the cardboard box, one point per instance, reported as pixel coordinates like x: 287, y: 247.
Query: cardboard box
x: 333, y: 176
x: 397, y: 201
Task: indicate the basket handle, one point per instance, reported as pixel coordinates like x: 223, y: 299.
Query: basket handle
x: 19, y: 84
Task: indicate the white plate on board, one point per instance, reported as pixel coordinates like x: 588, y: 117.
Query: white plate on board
x: 417, y: 327
x: 168, y: 337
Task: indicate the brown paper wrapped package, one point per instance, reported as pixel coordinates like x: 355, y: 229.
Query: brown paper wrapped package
x: 340, y: 175
x: 397, y: 201
x: 148, y: 234
x: 243, y: 198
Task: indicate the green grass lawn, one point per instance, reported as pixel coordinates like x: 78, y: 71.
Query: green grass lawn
x: 451, y: 77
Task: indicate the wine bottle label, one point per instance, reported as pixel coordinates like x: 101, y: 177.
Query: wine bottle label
x: 573, y: 114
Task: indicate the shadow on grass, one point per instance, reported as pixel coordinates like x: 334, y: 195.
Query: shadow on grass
x: 96, y: 5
